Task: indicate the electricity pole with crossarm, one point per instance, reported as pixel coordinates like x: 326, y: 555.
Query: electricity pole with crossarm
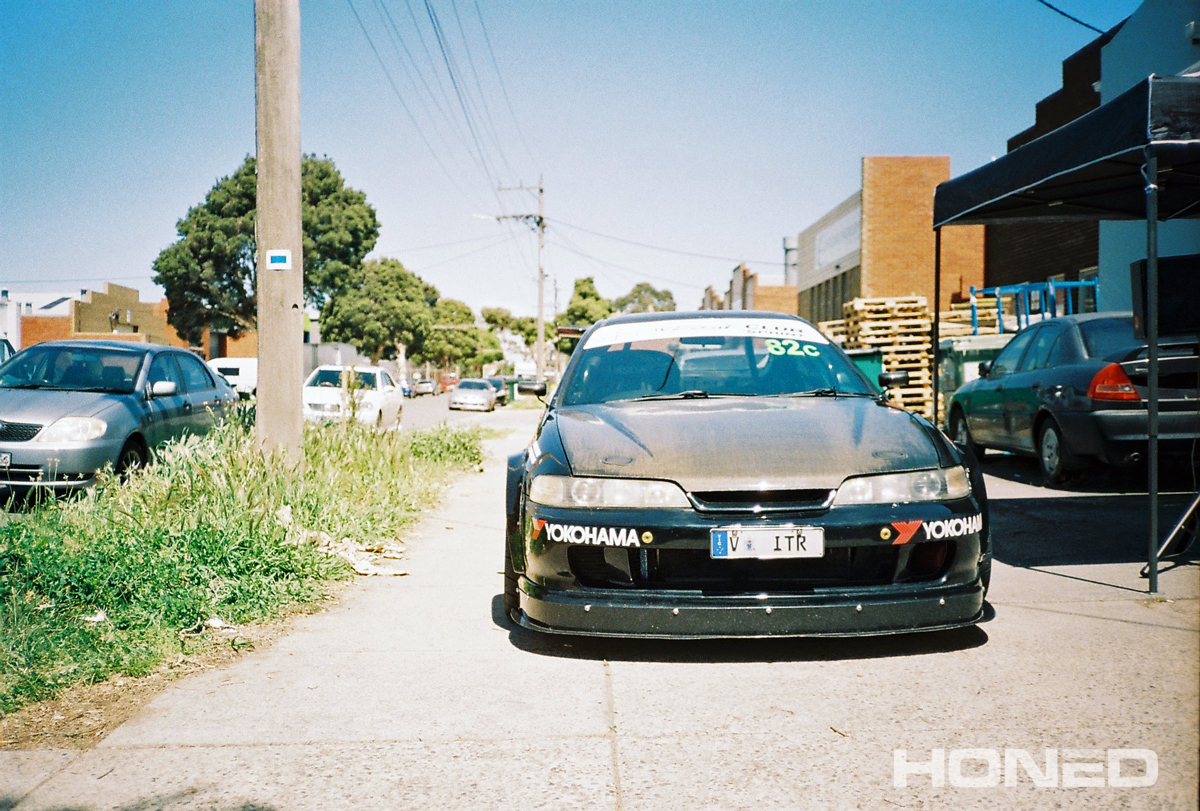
x: 539, y: 221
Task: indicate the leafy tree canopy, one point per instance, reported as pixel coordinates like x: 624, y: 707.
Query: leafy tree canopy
x: 587, y: 306
x: 644, y: 298
x: 497, y: 318
x: 453, y: 338
x: 209, y: 274
x: 383, y: 305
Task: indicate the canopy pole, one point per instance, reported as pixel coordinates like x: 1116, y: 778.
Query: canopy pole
x: 937, y: 307
x: 1150, y: 171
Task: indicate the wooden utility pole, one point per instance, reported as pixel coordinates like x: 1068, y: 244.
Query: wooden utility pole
x: 280, y: 243
x: 539, y: 220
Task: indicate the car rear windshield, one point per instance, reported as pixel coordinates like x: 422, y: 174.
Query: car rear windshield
x: 73, y: 368
x: 709, y: 357
x: 332, y: 379
x: 1106, y: 336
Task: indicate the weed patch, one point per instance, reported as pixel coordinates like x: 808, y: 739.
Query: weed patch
x: 112, y: 582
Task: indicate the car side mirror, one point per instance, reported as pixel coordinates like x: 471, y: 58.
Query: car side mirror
x: 888, y: 380
x: 984, y: 368
x: 163, y: 388
x: 536, y: 388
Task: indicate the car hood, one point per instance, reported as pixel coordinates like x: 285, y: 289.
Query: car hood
x: 744, y: 443
x: 44, y: 406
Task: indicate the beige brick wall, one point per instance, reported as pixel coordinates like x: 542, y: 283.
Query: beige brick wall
x: 897, y: 233
x: 780, y: 298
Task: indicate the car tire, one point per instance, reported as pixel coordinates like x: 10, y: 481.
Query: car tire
x: 511, y: 602
x: 961, y: 434
x: 131, y: 458
x: 1057, y: 462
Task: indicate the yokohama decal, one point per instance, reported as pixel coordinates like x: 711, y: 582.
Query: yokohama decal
x: 936, y: 530
x: 587, y: 536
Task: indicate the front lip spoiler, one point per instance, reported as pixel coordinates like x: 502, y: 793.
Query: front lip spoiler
x: 660, y: 617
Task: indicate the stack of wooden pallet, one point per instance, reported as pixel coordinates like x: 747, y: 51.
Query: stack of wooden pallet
x: 900, y: 328
x: 957, y: 320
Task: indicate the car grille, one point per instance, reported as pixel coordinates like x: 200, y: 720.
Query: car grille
x: 18, y: 431
x: 759, y: 501
x: 695, y: 569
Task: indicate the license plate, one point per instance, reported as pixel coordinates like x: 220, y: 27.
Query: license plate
x: 5, y: 459
x: 767, y: 542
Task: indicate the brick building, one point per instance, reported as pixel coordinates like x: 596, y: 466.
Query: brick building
x: 746, y: 292
x: 1061, y: 251
x: 880, y: 242
x: 113, y: 313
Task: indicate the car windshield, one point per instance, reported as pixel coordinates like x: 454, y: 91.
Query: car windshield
x: 72, y: 368
x: 473, y: 384
x: 332, y: 379
x: 1105, y: 336
x: 708, y: 357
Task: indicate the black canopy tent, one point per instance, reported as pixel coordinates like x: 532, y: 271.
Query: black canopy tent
x: 1136, y: 157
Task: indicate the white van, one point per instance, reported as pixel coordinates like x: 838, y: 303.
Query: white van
x: 242, y: 374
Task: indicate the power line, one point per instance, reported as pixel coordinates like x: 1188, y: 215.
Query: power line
x: 495, y: 244
x: 1069, y: 17
x: 446, y: 244
x: 503, y: 88
x: 666, y: 250
x: 637, y: 273
x: 490, y: 127
x: 400, y: 98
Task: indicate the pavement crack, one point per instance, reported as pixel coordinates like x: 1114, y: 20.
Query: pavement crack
x: 611, y: 713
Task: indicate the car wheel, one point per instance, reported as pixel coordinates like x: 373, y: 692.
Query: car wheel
x: 510, y: 582
x: 1056, y: 459
x: 132, y: 458
x: 961, y: 434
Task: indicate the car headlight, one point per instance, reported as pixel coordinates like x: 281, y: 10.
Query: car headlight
x: 582, y: 491
x: 73, y: 429
x: 942, y: 484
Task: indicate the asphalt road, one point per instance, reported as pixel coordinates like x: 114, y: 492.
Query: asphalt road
x: 417, y: 693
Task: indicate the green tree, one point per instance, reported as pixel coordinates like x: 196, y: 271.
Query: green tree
x: 497, y: 318
x: 644, y: 298
x: 452, y: 338
x: 383, y: 305
x: 587, y: 306
x: 210, y: 274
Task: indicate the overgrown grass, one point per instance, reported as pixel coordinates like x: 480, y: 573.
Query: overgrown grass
x: 107, y: 583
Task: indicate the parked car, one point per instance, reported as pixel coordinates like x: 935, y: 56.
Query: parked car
x: 473, y: 393
x: 423, y: 385
x: 501, y: 387
x: 1072, y: 391
x: 242, y: 374
x: 70, y: 408
x: 733, y: 474
x: 368, y: 393
x: 447, y: 381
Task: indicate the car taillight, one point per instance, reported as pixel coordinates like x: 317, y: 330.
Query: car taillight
x: 1111, y: 383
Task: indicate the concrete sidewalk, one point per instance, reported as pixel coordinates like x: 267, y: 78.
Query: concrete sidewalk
x: 416, y: 693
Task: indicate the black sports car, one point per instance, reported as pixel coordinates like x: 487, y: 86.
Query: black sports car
x: 733, y: 474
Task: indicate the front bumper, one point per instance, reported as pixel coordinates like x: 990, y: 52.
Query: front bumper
x: 65, y: 466
x: 885, y: 569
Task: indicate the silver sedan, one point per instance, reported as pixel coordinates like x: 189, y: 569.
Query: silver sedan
x: 475, y: 394
x: 70, y: 408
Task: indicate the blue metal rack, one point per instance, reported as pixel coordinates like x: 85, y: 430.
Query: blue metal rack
x: 1046, y: 294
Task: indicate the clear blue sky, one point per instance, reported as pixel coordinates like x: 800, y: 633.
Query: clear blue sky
x: 715, y: 128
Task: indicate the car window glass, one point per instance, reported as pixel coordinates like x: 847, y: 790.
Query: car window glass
x: 195, y: 375
x: 1105, y: 336
x: 387, y: 379
x: 163, y: 369
x: 1007, y: 360
x: 1039, y: 349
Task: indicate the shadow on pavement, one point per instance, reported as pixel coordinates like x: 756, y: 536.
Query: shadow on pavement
x: 161, y: 803
x: 1176, y: 475
x: 693, y: 651
x: 1064, y: 531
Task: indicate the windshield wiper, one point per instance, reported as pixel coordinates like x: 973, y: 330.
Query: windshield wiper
x: 825, y: 392
x: 22, y: 386
x: 690, y: 394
